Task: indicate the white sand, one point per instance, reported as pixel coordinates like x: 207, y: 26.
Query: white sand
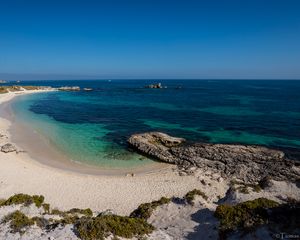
x: 19, y: 173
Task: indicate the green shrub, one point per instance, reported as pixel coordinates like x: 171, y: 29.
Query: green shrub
x: 145, y: 210
x: 285, y: 218
x: 244, y: 215
x: 87, y: 212
x: 243, y: 187
x: 18, y: 221
x: 46, y: 207
x: 24, y: 199
x: 38, y: 200
x: 119, y: 226
x: 56, y: 211
x: 68, y: 219
x: 71, y: 216
x: 190, y: 196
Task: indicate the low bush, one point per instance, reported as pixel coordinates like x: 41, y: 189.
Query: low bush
x: 46, y: 207
x: 18, y: 221
x: 100, y: 227
x: 87, y: 212
x: 24, y: 199
x: 243, y: 215
x: 145, y: 210
x: 190, y: 196
x: 244, y: 187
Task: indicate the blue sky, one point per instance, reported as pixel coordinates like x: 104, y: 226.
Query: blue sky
x: 149, y: 39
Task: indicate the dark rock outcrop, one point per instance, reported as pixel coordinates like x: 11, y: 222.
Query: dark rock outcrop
x: 156, y: 85
x: 247, y: 163
x: 8, y: 148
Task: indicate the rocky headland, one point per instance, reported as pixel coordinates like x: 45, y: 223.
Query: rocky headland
x: 16, y: 88
x: 244, y: 162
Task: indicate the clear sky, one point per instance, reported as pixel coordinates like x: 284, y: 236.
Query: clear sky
x: 149, y: 39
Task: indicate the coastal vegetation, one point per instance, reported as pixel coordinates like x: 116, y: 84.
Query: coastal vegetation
x: 23, y: 199
x: 244, y: 187
x: 85, y: 225
x: 145, y: 210
x: 244, y: 215
x: 120, y: 226
x: 240, y: 218
x: 249, y: 216
x: 18, y: 221
x: 190, y: 196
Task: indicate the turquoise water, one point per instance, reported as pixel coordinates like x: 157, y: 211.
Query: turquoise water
x: 92, y: 127
x: 82, y: 142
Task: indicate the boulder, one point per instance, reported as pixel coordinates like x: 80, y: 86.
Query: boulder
x: 155, y: 144
x: 8, y: 148
x: 245, y: 162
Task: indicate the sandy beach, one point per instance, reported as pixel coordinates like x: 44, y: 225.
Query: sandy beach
x: 19, y: 173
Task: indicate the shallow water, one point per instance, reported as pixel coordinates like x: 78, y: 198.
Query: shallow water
x: 92, y: 127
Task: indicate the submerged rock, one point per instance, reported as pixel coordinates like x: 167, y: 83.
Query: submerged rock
x: 8, y: 148
x: 248, y: 163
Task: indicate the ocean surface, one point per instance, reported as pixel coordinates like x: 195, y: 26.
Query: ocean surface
x: 92, y: 127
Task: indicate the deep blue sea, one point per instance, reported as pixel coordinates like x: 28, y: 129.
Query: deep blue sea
x: 92, y: 127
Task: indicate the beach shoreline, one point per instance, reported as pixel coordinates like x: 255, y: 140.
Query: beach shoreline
x: 41, y: 149
x: 68, y: 189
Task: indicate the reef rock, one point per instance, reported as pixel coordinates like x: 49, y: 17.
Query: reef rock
x: 156, y: 144
x: 8, y: 148
x: 244, y: 162
x: 75, y: 88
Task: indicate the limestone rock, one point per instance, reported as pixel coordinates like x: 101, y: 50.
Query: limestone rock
x: 155, y: 144
x: 244, y: 162
x: 67, y: 88
x: 8, y: 148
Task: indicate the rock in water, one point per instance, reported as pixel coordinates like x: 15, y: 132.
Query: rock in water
x: 156, y: 85
x: 8, y: 148
x: 247, y: 163
x: 67, y: 88
x: 155, y: 144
